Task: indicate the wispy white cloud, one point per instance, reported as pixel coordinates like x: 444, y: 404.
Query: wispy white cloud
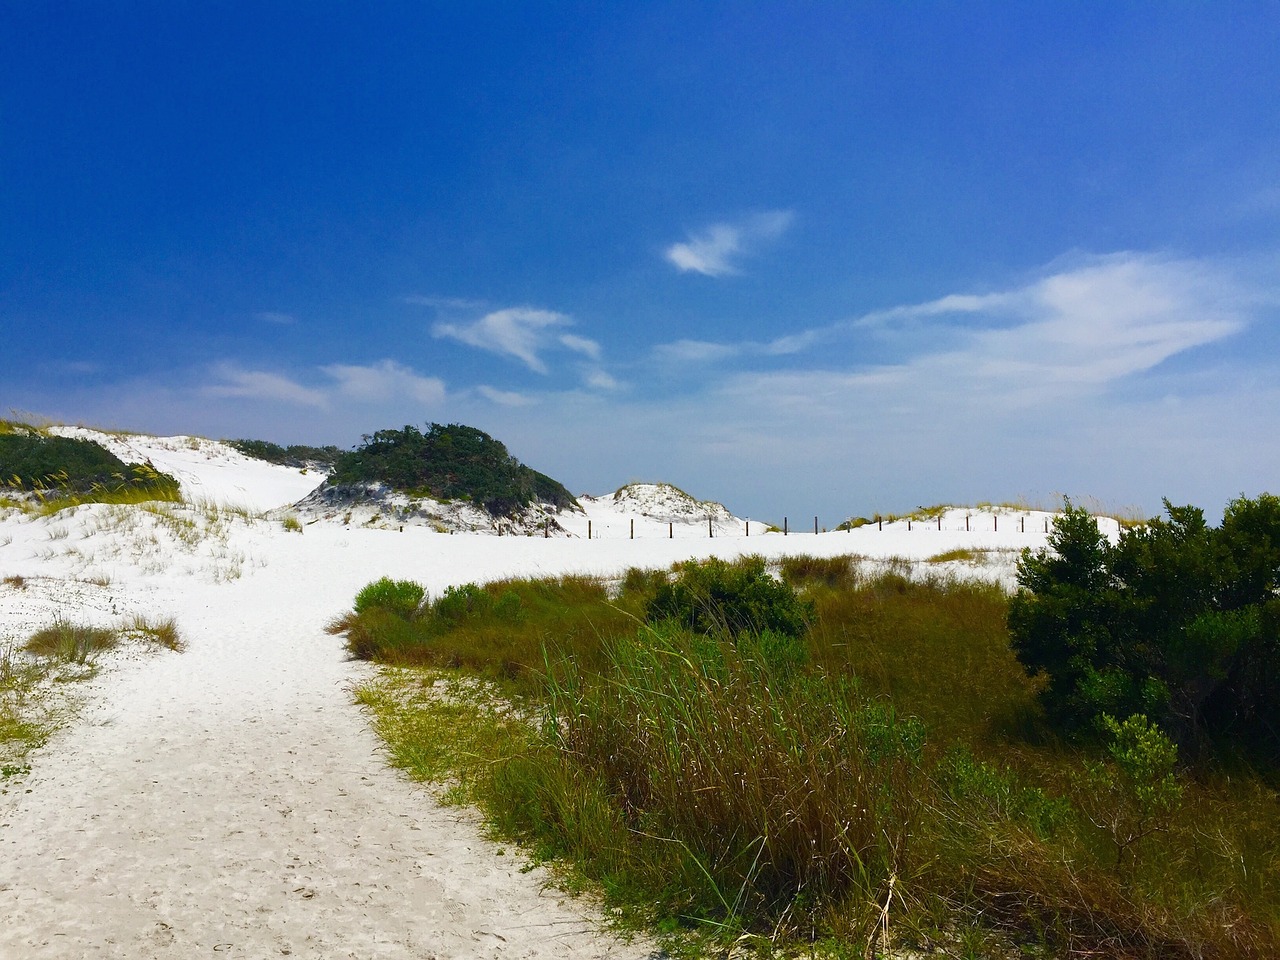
x: 599, y: 379
x: 384, y: 381
x: 236, y: 383
x: 582, y: 345
x: 715, y: 250
x: 505, y: 398
x: 277, y: 317
x: 703, y: 351
x: 1088, y: 325
x: 347, y: 384
x: 521, y: 332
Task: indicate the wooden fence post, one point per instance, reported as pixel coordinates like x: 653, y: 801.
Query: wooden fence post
x: 633, y: 528
x: 784, y: 526
x: 815, y: 526
x: 588, y: 529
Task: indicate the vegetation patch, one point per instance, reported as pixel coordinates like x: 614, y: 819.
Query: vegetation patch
x: 883, y: 778
x: 294, y: 455
x: 1177, y: 621
x: 453, y: 462
x: 58, y: 472
x: 70, y: 642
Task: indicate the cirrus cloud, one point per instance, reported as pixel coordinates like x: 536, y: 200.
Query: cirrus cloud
x: 715, y: 250
x: 524, y: 333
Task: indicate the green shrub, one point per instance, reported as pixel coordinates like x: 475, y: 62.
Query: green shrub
x: 1136, y: 791
x: 462, y: 603
x: 379, y: 633
x: 718, y: 598
x: 834, y: 572
x: 400, y: 597
x: 296, y: 455
x: 642, y: 584
x: 1177, y: 621
x: 61, y: 469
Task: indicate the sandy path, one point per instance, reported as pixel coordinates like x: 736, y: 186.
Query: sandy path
x: 232, y: 801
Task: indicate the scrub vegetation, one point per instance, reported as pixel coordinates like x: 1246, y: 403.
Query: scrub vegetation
x: 452, y: 462
x: 294, y: 455
x: 825, y: 755
x: 49, y: 473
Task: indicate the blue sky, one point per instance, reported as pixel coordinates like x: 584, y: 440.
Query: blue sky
x: 804, y: 258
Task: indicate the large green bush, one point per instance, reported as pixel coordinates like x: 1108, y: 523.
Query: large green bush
x: 1177, y: 620
x: 453, y: 462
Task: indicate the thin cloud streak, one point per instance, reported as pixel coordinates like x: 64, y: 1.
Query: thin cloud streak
x: 715, y: 250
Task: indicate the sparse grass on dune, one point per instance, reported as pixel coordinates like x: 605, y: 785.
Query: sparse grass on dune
x: 34, y: 681
x: 162, y: 632
x: 888, y: 784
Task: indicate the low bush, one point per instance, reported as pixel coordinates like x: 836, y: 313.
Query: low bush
x: 717, y: 598
x: 295, y: 455
x: 399, y: 597
x: 803, y: 570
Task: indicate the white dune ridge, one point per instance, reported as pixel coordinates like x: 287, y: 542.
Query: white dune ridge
x: 232, y: 797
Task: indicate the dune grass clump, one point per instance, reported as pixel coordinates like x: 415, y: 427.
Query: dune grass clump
x: 162, y: 632
x: 501, y: 630
x: 68, y: 642
x: 765, y: 789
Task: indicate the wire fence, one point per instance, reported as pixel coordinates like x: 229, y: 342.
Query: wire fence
x: 1028, y: 523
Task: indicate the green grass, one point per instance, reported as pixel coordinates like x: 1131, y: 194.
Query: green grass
x: 895, y: 786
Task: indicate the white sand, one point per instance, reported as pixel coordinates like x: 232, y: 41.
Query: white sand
x: 231, y: 799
